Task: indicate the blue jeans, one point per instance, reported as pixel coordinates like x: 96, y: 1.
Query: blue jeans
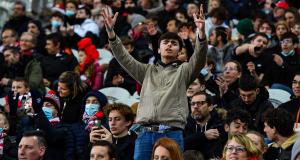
x: 146, y: 140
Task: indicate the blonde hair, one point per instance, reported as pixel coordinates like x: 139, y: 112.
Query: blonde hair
x: 251, y: 149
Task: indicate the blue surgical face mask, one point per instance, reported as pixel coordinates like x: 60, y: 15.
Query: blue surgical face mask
x: 269, y: 36
x: 1, y: 130
x: 55, y: 23
x: 69, y: 13
x: 267, y: 11
x: 91, y: 109
x: 204, y: 71
x: 48, y: 112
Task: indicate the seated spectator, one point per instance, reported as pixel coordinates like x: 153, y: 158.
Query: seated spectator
x: 166, y: 148
x: 88, y: 68
x: 51, y: 107
x: 284, y: 65
x: 103, y: 150
x: 204, y: 130
x: 94, y: 101
x: 279, y: 129
x: 56, y: 61
x: 9, y: 37
x: 116, y: 76
x: 220, y: 50
x: 292, y: 106
x: 253, y: 99
x: 244, y: 29
x: 8, y: 149
x: 120, y: 118
x: 18, y: 20
x: 84, y: 24
x: 216, y: 18
x: 228, y: 83
x: 240, y: 147
x: 35, y: 27
x: 281, y: 28
x: 36, y: 142
x: 258, y: 140
x: 237, y: 122
x: 291, y: 16
x: 172, y: 25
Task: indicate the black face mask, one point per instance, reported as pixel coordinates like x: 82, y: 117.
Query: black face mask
x: 79, y: 20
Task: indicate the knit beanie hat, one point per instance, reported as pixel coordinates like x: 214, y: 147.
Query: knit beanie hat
x: 52, y: 98
x: 90, y: 50
x: 245, y: 27
x: 282, y: 5
x: 136, y: 19
x: 99, y: 95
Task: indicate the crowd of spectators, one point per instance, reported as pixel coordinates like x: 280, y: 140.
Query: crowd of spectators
x: 202, y: 70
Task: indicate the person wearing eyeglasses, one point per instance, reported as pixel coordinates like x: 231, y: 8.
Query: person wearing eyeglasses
x: 285, y: 63
x: 204, y: 130
x: 240, y: 147
x: 293, y: 105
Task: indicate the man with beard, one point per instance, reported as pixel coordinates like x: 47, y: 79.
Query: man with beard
x: 253, y: 99
x: 251, y: 55
x: 19, y: 20
x: 204, y: 130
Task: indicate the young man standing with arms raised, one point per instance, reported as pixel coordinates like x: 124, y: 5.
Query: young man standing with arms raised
x: 163, y: 109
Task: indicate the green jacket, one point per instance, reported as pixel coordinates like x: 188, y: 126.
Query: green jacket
x: 34, y: 76
x: 163, y: 94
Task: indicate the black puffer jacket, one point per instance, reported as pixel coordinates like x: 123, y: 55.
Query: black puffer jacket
x: 256, y: 109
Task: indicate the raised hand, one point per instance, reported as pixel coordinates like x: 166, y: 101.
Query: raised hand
x: 199, y: 20
x: 109, y: 21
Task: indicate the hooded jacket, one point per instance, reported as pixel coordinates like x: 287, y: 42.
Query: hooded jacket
x: 256, y: 109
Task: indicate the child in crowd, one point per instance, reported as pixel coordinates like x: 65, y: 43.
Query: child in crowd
x: 8, y: 146
x: 20, y: 89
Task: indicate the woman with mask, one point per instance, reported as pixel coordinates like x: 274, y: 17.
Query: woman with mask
x: 95, y: 101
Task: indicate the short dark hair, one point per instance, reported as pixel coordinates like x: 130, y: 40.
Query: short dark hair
x: 55, y: 38
x: 112, y: 152
x: 170, y: 35
x: 21, y: 79
x: 248, y: 82
x: 39, y: 134
x: 21, y: 4
x: 86, y: 9
x: 238, y: 114
x: 290, y: 35
x: 58, y: 14
x: 221, y: 31
x: 12, y: 49
x: 259, y: 34
x: 265, y: 21
x: 219, y: 13
x: 281, y: 120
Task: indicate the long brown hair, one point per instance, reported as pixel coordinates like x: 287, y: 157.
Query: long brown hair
x: 73, y: 82
x: 171, y: 146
